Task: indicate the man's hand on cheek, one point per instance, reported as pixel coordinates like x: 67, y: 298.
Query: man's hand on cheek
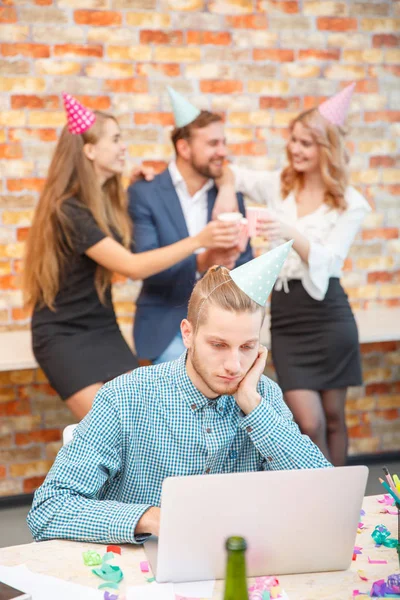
x: 247, y: 396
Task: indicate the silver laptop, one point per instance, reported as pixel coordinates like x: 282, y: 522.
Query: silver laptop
x: 301, y: 521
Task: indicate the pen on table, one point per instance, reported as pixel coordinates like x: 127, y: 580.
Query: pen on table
x: 389, y: 489
x: 389, y: 479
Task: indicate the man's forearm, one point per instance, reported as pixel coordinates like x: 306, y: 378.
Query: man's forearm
x: 149, y: 522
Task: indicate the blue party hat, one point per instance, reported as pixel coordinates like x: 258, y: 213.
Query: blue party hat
x: 184, y: 112
x: 257, y: 277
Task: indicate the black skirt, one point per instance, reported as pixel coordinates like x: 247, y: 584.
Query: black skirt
x: 314, y: 343
x: 73, y: 361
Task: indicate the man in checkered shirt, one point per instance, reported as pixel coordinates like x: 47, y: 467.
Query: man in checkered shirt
x: 210, y: 411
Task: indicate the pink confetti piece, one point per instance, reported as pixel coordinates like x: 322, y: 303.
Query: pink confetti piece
x: 386, y: 499
x: 362, y: 575
x: 376, y: 562
x: 360, y: 525
x: 144, y: 566
x: 357, y: 549
x: 390, y: 512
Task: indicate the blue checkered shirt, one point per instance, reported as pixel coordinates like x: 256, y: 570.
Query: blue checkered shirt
x: 148, y: 425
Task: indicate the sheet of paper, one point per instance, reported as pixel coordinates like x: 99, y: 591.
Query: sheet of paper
x: 151, y: 591
x: 45, y: 587
x: 195, y: 589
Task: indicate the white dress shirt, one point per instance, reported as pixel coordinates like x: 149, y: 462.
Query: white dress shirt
x: 195, y: 208
x: 329, y: 231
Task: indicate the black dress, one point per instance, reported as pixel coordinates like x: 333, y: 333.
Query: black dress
x: 80, y: 343
x: 314, y: 343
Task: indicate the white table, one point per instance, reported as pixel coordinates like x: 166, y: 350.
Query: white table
x: 63, y: 559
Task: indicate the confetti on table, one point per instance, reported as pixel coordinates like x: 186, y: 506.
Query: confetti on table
x: 91, y: 558
x: 150, y: 579
x: 386, y: 499
x: 144, y: 566
x: 362, y: 512
x: 376, y: 562
x: 381, y: 534
x: 357, y: 549
x: 108, y: 596
x: 362, y: 575
x: 114, y: 549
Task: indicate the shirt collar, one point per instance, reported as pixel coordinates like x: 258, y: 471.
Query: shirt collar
x: 194, y: 398
x: 177, y: 179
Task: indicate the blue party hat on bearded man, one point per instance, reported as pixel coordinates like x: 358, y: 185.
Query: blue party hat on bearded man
x: 257, y: 277
x: 184, y: 112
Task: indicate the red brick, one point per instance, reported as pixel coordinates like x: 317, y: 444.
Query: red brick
x: 333, y: 54
x: 21, y: 314
x: 360, y: 431
x: 273, y: 54
x: 268, y: 102
x: 3, y: 472
x: 15, y: 408
x: 393, y: 69
x: 391, y: 116
x: 44, y: 135
x: 138, y: 85
x: 35, y: 437
x: 364, y: 86
x: 377, y: 388
x: 43, y: 2
x: 248, y: 148
x: 25, y: 392
x: 157, y: 118
x: 247, y: 22
x: 312, y: 101
x: 18, y: 185
x: 10, y: 151
x: 9, y: 282
x: 336, y: 24
x: 208, y: 86
x: 385, y: 40
x: 382, y: 161
x: 31, y: 484
x: 348, y: 264
x: 215, y: 38
x: 78, y: 50
x: 158, y: 165
x: 28, y: 101
x: 378, y: 347
x: 32, y: 50
x: 152, y: 36
x: 168, y: 69
x: 95, y: 102
x: 392, y: 302
x: 384, y: 233
x: 290, y: 7
x: 379, y: 277
x: 389, y: 415
x: 8, y: 14
x: 97, y: 18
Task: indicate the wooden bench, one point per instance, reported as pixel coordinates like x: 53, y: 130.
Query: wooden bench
x: 375, y: 325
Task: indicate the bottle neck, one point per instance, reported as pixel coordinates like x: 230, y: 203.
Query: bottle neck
x: 236, y: 582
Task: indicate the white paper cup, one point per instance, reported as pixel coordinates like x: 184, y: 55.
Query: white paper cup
x: 253, y: 213
x: 230, y: 217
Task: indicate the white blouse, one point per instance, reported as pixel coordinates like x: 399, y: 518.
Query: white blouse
x: 329, y: 232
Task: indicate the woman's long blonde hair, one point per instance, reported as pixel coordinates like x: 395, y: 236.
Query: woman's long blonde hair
x: 49, y: 245
x: 333, y: 159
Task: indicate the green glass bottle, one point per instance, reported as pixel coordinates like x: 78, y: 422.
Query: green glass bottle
x: 236, y: 582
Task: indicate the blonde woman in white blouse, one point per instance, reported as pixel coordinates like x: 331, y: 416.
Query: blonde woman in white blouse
x: 314, y: 338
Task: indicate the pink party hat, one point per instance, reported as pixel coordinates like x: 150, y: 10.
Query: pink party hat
x: 335, y: 109
x: 79, y: 117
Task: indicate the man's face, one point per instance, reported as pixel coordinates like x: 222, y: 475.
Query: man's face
x: 222, y: 350
x: 206, y: 150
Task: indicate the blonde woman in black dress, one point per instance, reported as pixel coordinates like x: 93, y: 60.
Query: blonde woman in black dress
x: 81, y: 234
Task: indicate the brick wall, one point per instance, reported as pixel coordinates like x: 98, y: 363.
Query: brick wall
x: 259, y: 62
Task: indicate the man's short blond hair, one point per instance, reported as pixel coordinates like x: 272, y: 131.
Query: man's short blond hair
x: 217, y: 288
